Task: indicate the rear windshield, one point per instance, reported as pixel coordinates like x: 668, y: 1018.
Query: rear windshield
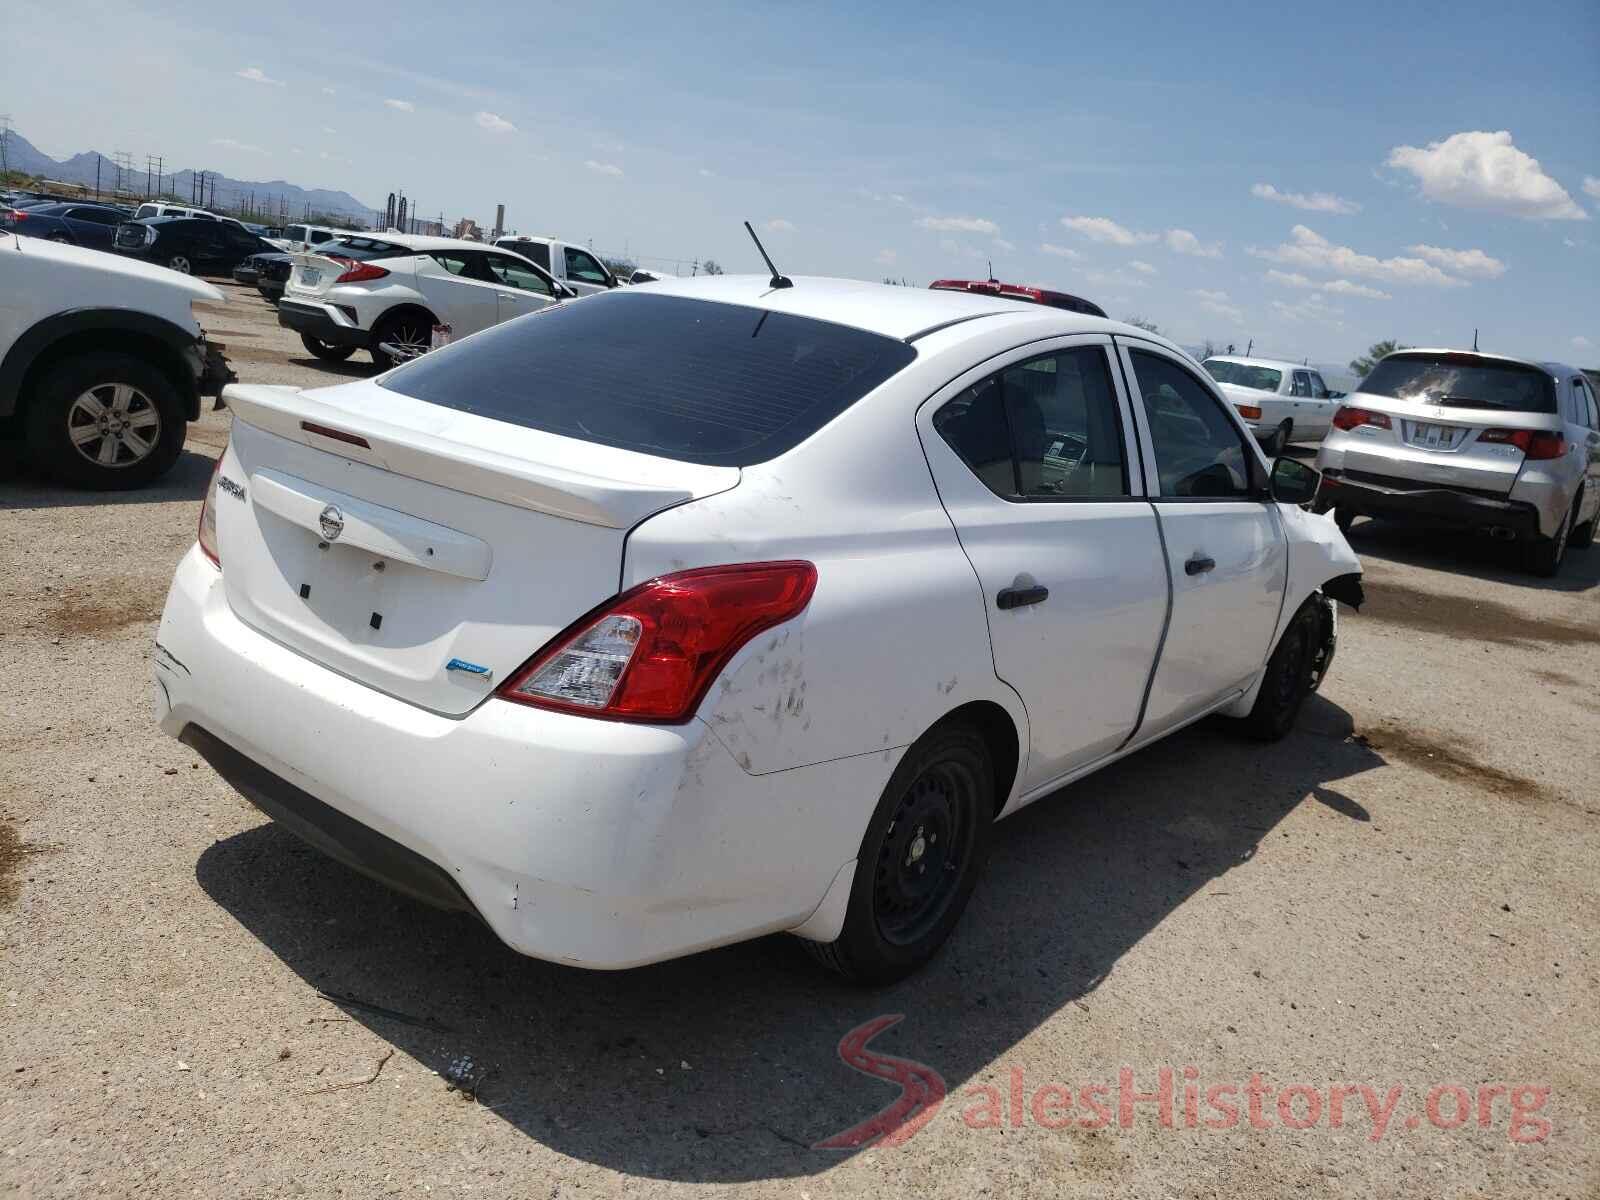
x: 701, y: 382
x: 362, y: 248
x: 1462, y: 381
x: 1243, y: 375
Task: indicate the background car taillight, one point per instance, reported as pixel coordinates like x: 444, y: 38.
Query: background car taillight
x: 650, y: 654
x: 207, y: 536
x: 1249, y: 412
x: 359, y: 272
x: 1351, y: 418
x: 1534, y: 443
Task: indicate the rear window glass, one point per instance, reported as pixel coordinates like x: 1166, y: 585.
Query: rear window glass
x: 1462, y: 381
x: 1243, y: 375
x: 361, y: 249
x: 701, y: 382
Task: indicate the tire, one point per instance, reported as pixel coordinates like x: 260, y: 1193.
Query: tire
x: 1274, y: 445
x: 1343, y: 518
x: 326, y: 351
x: 181, y: 264
x: 65, y: 437
x: 1582, y: 535
x: 1545, y: 556
x: 899, y: 915
x: 1291, y: 673
x: 62, y: 238
x: 407, y: 326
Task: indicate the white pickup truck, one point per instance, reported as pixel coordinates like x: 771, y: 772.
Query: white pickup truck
x: 1282, y: 402
x: 579, y: 269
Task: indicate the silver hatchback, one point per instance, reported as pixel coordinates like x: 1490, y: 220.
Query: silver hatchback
x: 1502, y: 445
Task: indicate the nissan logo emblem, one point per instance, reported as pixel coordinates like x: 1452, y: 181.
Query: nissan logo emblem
x: 332, y: 522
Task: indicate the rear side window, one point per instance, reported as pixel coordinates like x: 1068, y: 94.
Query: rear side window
x: 146, y: 210
x: 701, y: 382
x: 1462, y: 381
x: 1243, y: 374
x: 536, y: 252
x: 295, y: 233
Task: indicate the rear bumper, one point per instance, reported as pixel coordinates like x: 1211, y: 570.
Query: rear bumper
x: 244, y: 274
x: 318, y: 322
x: 594, y: 843
x: 1427, y: 503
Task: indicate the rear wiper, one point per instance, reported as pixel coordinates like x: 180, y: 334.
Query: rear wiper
x: 1466, y: 402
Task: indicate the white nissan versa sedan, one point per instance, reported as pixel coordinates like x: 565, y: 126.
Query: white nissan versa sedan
x: 699, y: 611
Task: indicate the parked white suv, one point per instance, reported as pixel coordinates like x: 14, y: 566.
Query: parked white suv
x: 1282, y: 402
x: 102, y: 361
x: 365, y: 291
x: 300, y: 238
x: 579, y: 269
x: 707, y: 609
x: 1503, y: 445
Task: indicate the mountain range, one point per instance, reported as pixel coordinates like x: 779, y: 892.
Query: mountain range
x: 23, y: 155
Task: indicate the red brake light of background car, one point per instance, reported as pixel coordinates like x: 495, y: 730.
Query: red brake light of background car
x: 1350, y: 418
x: 650, y: 654
x: 1249, y: 412
x: 207, y: 535
x: 1534, y: 443
x: 360, y: 272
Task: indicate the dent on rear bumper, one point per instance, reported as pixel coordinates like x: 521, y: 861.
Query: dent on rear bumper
x: 588, y: 842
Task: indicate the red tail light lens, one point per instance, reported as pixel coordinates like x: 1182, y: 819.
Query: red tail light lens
x: 1350, y: 418
x: 650, y: 654
x: 359, y: 272
x: 1249, y: 412
x: 1534, y: 443
x: 207, y: 536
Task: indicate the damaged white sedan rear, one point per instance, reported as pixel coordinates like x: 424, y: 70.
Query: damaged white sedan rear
x: 697, y: 612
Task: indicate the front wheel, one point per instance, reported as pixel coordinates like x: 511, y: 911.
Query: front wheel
x: 1293, y: 671
x: 105, y: 422
x: 920, y: 859
x: 326, y: 351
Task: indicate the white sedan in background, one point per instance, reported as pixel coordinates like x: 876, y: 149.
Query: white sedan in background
x: 711, y: 609
x: 1281, y: 402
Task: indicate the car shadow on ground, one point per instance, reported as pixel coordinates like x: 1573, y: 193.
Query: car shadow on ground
x: 22, y: 486
x: 351, y: 368
x: 724, y: 1066
x: 1465, y: 553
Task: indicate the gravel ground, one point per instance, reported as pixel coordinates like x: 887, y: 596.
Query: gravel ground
x: 1403, y: 893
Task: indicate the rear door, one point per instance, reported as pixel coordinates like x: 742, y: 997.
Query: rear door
x: 459, y: 289
x: 523, y: 289
x: 93, y: 226
x: 1223, y: 540
x: 1032, y: 457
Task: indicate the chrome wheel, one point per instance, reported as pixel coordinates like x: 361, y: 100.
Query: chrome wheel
x: 180, y: 264
x: 114, y: 425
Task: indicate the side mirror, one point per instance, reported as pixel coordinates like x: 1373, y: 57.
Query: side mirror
x: 1292, y: 482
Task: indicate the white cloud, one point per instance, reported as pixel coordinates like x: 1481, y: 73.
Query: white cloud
x: 1462, y: 262
x: 1313, y: 308
x: 1325, y: 202
x: 1485, y: 171
x: 1310, y: 250
x: 493, y: 122
x: 885, y: 258
x: 1591, y: 186
x: 1181, y: 241
x: 1114, y: 279
x: 1143, y: 268
x: 603, y: 168
x: 233, y: 144
x: 329, y: 129
x: 1582, y: 343
x: 328, y: 91
x: 779, y: 225
x: 705, y: 174
x: 1342, y: 287
x: 1105, y: 231
x: 959, y: 225
x: 401, y: 105
x: 296, y: 150
x: 257, y: 75
x: 1004, y: 246
x: 1218, y: 304
x: 1059, y: 251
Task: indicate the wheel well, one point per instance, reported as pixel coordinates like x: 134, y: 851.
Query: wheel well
x: 998, y: 731
x: 117, y: 341
x: 401, y: 310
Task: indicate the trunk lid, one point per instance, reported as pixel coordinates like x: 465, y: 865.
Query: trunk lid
x: 446, y: 538
x: 313, y: 274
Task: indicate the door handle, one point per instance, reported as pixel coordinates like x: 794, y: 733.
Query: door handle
x: 1014, y: 597
x: 1199, y: 565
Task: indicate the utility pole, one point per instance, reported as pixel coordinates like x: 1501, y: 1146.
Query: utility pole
x: 5, y: 141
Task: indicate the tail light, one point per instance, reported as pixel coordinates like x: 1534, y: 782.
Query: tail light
x: 1350, y: 418
x: 360, y: 272
x: 1534, y: 443
x: 207, y: 536
x: 16, y: 215
x: 1249, y: 412
x: 650, y: 654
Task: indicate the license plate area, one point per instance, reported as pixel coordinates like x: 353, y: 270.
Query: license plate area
x: 1427, y: 435
x: 311, y: 277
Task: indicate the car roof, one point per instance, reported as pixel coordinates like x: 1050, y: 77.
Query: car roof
x: 1552, y: 368
x: 421, y: 243
x: 1280, y: 364
x: 897, y: 312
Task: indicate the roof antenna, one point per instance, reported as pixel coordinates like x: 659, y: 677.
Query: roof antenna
x: 1474, y: 341
x: 992, y: 279
x: 777, y: 281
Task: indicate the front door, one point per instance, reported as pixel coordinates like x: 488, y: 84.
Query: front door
x: 1031, y: 456
x: 585, y: 275
x: 1224, y: 542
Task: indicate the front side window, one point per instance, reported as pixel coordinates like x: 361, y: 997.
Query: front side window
x: 1199, y: 451
x: 583, y: 267
x: 1592, y: 419
x: 1047, y: 428
x: 1319, y: 390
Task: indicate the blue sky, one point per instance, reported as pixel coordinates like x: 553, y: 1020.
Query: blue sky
x: 1230, y: 171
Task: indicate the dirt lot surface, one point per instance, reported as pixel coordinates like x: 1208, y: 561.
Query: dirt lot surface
x: 1402, y: 894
